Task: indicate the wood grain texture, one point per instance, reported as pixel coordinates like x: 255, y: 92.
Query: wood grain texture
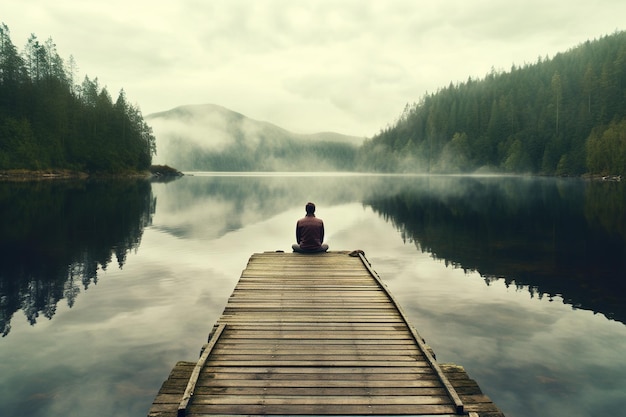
x: 317, y: 334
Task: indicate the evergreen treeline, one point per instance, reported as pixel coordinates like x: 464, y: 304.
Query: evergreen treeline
x: 559, y: 116
x: 47, y: 121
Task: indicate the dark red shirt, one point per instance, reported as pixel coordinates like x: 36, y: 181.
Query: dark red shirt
x: 310, y: 232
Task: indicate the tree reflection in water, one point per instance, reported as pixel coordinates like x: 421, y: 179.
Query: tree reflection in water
x: 556, y: 236
x: 57, y: 235
x: 562, y: 237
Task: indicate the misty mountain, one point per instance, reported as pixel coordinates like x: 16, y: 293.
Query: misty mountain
x: 212, y: 138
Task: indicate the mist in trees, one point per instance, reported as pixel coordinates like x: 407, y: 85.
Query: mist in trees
x: 48, y: 120
x: 212, y: 138
x: 559, y: 116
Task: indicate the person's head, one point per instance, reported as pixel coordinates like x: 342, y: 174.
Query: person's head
x: 310, y: 208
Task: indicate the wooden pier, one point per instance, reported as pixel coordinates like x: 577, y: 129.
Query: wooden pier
x: 316, y: 335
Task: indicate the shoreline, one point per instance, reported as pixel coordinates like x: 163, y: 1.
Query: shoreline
x: 18, y: 175
x: 44, y: 174
x: 165, y: 172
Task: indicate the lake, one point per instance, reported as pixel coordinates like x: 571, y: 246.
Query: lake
x: 105, y: 285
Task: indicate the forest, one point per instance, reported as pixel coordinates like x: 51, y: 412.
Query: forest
x: 49, y: 121
x: 560, y: 116
x: 564, y: 116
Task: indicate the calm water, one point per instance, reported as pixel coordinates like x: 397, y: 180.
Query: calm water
x: 104, y: 286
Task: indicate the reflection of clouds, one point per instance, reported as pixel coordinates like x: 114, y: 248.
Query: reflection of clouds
x: 208, y: 208
x: 353, y: 226
x: 207, y: 219
x: 532, y: 356
x: 122, y: 335
x: 109, y: 354
x: 163, y: 305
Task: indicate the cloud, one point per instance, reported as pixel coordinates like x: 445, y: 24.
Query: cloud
x: 347, y: 66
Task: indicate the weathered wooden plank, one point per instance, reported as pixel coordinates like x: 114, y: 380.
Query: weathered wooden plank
x: 309, y: 351
x: 328, y: 363
x: 311, y: 313
x: 331, y: 306
x: 321, y: 409
x: 298, y: 316
x: 322, y: 391
x: 357, y: 372
x: 321, y: 300
x: 425, y: 382
x: 417, y: 373
x: 296, y: 319
x: 175, y: 385
x: 193, y: 379
x: 311, y: 343
x: 365, y: 360
x: 364, y: 298
x: 329, y: 400
x: 304, y: 334
x: 339, y: 326
x: 271, y: 287
x: 164, y: 398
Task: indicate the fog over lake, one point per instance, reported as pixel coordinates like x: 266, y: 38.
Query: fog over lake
x: 104, y: 286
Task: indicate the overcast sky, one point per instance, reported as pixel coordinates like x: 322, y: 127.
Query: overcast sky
x: 348, y: 66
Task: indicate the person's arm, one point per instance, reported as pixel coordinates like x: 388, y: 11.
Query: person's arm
x: 297, y: 233
x: 322, y: 234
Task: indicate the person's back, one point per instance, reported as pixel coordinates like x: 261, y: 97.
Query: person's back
x: 310, y: 232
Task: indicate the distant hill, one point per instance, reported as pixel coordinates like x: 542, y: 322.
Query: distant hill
x: 209, y: 137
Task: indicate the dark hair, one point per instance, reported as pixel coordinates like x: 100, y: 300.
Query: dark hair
x: 310, y: 208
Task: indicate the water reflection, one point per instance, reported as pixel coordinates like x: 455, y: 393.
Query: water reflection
x: 56, y: 236
x: 561, y: 237
x: 208, y: 206
x: 554, y: 236
x: 110, y: 352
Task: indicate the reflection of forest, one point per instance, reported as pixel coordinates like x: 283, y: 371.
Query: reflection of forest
x: 55, y: 236
x: 558, y: 237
